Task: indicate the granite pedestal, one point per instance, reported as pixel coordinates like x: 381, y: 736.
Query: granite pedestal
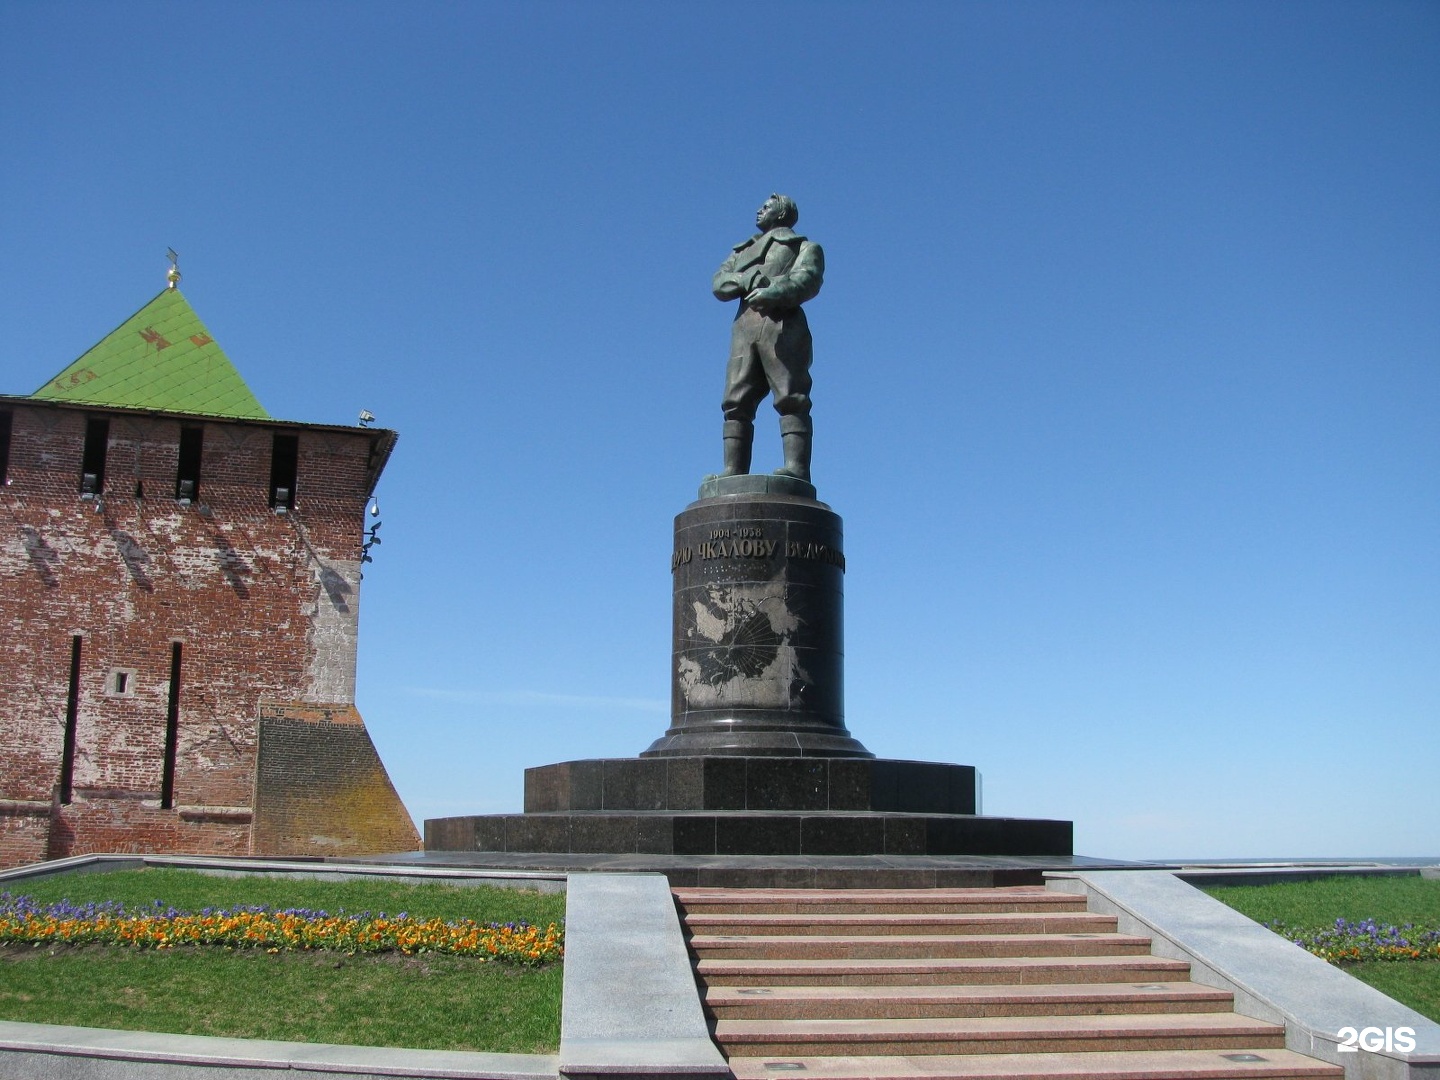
x: 757, y: 760
x: 758, y: 646
x: 730, y: 783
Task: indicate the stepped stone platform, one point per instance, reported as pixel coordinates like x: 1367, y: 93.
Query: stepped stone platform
x: 771, y: 871
x: 1019, y: 983
x: 750, y: 806
x: 750, y: 833
x: 757, y: 762
x: 752, y: 783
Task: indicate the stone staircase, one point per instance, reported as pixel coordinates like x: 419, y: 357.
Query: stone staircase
x: 975, y: 983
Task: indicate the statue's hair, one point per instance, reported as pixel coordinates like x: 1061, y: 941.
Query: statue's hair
x: 792, y: 212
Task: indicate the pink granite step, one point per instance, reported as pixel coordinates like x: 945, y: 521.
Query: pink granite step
x: 1010, y: 984
x: 999, y: 1035
x: 858, y: 922
x: 1002, y: 970
x: 754, y: 1002
x: 1269, y: 1064
x: 895, y: 901
x: 906, y: 946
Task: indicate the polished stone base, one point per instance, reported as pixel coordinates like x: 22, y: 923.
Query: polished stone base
x: 753, y: 783
x: 751, y: 806
x: 714, y: 487
x: 818, y: 741
x: 750, y: 832
x: 758, y: 651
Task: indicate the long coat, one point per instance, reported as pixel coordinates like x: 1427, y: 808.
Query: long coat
x: 770, y: 349
x: 780, y: 258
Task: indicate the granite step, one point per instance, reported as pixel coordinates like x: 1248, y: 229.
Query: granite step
x: 915, y: 946
x: 1252, y: 1064
x: 755, y: 1002
x: 999, y: 1035
x: 952, y: 971
x: 872, y: 923
x: 892, y: 901
x: 1010, y: 983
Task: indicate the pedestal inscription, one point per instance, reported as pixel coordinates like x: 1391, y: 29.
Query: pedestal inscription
x: 758, y: 648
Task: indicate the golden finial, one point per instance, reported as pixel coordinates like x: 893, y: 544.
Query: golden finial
x: 172, y: 276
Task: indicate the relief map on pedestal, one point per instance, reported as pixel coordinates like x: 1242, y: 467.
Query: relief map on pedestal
x: 737, y: 647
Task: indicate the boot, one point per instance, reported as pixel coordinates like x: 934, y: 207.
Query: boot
x: 739, y: 437
x: 795, y: 432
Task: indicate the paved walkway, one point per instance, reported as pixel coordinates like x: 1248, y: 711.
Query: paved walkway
x: 853, y: 871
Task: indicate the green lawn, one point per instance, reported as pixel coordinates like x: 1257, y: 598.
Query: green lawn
x: 1388, y: 899
x: 426, y: 1001
x: 188, y: 890
x: 1416, y: 984
x: 1393, y: 900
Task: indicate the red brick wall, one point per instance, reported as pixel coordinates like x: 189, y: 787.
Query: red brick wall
x: 320, y: 787
x: 24, y: 832
x: 265, y: 606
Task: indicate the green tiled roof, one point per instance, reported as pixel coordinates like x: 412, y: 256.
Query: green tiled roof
x: 162, y: 357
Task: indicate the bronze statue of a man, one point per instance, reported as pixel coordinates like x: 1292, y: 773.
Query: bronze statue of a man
x: 771, y: 274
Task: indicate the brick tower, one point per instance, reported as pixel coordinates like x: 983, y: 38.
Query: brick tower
x: 179, y: 609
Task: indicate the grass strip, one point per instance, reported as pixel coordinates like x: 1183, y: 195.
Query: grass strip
x: 428, y: 1000
x: 1382, y: 929
x: 190, y: 890
x: 1416, y: 985
x: 1385, y: 899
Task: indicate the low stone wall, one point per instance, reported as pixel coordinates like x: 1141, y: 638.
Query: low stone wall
x: 631, y: 1007
x: 1271, y: 978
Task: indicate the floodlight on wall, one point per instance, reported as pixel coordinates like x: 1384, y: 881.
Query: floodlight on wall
x: 366, y: 418
x: 372, y: 537
x: 90, y: 484
x: 282, y: 500
x: 186, y: 493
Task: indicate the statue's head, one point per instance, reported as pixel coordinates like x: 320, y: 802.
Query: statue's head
x: 778, y: 210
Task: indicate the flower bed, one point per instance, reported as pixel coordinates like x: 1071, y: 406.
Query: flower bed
x: 159, y: 927
x: 1347, y: 941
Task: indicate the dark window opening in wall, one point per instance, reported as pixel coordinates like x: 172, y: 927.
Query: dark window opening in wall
x: 72, y: 713
x: 187, y: 475
x: 5, y: 426
x: 284, y: 460
x: 120, y: 682
x: 92, y: 461
x: 139, y: 489
x: 172, y: 731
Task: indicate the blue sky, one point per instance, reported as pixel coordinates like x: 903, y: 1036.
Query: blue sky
x: 1126, y: 381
